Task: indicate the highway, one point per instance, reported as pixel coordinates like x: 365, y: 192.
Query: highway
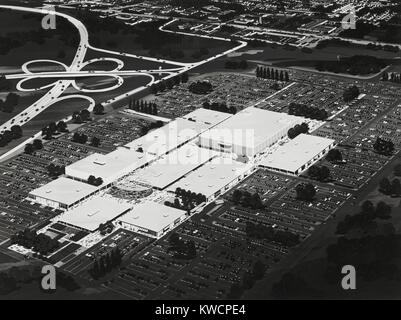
x: 66, y: 78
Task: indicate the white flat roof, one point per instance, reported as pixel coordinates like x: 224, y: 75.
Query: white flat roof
x: 168, y: 137
x: 109, y: 167
x: 63, y: 190
x: 206, y: 116
x: 211, y: 177
x: 252, y: 126
x: 91, y: 213
x: 297, y: 152
x: 152, y: 216
x: 173, y: 166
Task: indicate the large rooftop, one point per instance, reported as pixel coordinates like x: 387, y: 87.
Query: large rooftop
x: 293, y: 155
x: 211, y: 177
x: 109, y: 167
x: 173, y: 166
x: 64, y: 191
x: 95, y: 211
x: 168, y: 137
x: 206, y: 116
x: 252, y: 126
x: 152, y: 216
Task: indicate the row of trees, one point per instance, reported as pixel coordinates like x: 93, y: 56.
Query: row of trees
x: 11, y: 101
x: 351, y: 93
x: 143, y: 106
x: 222, y: 107
x: 186, y: 199
x: 320, y: 173
x: 106, y: 264
x: 297, y: 130
x: 247, y: 200
x: 182, y: 249
x: 36, y: 145
x: 392, y: 188
x: 39, y: 243
x: 169, y: 83
x: 365, y: 217
x: 302, y: 110
x: 271, y: 73
x: 9, y: 135
x: 356, y: 65
x: 260, y: 231
x: 384, y: 147
x: 92, y: 180
x: 392, y: 77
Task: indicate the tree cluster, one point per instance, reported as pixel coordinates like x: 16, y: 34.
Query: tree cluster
x: 106, y: 264
x: 320, y: 173
x: 151, y: 126
x: 80, y: 138
x: 39, y: 243
x: 92, y: 180
x: 11, y: 101
x: 13, y: 134
x: 392, y: 188
x: 305, y: 192
x: 55, y: 170
x: 169, y: 83
x: 98, y: 109
x: 36, y: 145
x: 247, y: 200
x: 356, y: 65
x: 260, y: 231
x: 271, y: 73
x: 302, y: 110
x: 222, y: 107
x: 365, y: 218
x: 53, y: 129
x: 200, y: 87
x: 334, y: 155
x: 182, y: 249
x: 186, y: 199
x: 82, y: 116
x: 297, y: 130
x: 384, y: 147
x: 351, y: 93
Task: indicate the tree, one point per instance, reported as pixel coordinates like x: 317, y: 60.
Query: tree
x: 37, y: 144
x: 29, y: 149
x: 237, y: 195
x: 383, y: 210
x: 98, y: 109
x: 334, y: 155
x: 396, y: 188
x: 62, y: 126
x: 305, y: 192
x: 397, y: 170
x: 385, y: 186
x: 384, y: 147
x: 95, y: 142
x: 16, y: 131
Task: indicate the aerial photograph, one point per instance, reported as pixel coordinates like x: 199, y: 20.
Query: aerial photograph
x: 200, y: 157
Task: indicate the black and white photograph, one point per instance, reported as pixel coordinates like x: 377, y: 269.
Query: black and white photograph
x: 199, y: 158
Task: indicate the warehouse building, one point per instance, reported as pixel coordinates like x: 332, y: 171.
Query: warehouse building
x: 214, y: 178
x: 298, y: 155
x: 90, y: 214
x: 62, y: 193
x: 249, y: 132
x: 152, y: 219
x: 110, y: 167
